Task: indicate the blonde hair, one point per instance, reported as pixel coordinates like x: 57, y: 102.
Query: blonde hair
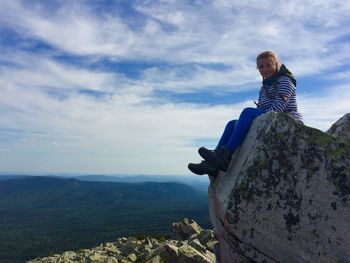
x: 271, y: 55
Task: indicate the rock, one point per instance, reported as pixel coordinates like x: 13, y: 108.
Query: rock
x: 112, y: 250
x: 210, y: 245
x: 132, y: 257
x: 111, y: 260
x: 171, y: 253
x: 156, y: 259
x: 185, y: 229
x: 148, y: 250
x: 148, y: 243
x: 197, y: 245
x: 285, y: 196
x: 147, y: 253
x: 96, y: 257
x: 68, y: 255
x: 210, y: 256
x: 130, y: 246
x: 188, y: 254
x: 341, y: 128
x: 205, y: 236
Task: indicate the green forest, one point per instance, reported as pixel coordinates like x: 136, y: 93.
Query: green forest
x: 40, y: 216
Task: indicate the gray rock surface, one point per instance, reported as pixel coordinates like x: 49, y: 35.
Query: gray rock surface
x: 197, y: 247
x: 184, y: 230
x: 285, y: 197
x: 341, y: 128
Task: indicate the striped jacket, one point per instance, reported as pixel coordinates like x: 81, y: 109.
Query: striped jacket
x: 279, y: 97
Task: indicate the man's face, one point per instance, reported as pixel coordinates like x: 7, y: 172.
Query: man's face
x: 266, y: 67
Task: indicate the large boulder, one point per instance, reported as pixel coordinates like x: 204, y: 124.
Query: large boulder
x: 285, y: 196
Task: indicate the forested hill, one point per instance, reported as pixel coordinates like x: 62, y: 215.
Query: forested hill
x: 58, y: 190
x: 47, y: 215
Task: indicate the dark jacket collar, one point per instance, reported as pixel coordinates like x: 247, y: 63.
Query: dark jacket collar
x: 282, y: 72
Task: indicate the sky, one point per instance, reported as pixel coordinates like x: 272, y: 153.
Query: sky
x: 135, y: 87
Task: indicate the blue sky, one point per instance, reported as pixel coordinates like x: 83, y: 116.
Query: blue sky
x: 135, y: 87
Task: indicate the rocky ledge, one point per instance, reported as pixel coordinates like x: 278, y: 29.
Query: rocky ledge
x: 286, y: 195
x: 189, y: 244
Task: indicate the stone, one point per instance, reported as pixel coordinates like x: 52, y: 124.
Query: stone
x: 112, y: 249
x: 171, y: 253
x: 96, y: 257
x: 130, y: 246
x: 111, y: 260
x: 185, y: 229
x: 285, y: 196
x: 148, y: 242
x: 147, y: 253
x: 197, y: 245
x: 188, y: 254
x: 341, y: 128
x: 205, y: 236
x: 156, y: 259
x: 148, y: 250
x: 68, y: 255
x: 132, y: 257
x: 210, y: 245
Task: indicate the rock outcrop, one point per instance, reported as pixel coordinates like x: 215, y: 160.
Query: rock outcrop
x: 341, y: 128
x: 286, y: 195
x: 192, y: 245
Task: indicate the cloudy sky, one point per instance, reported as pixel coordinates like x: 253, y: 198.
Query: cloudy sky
x: 135, y: 87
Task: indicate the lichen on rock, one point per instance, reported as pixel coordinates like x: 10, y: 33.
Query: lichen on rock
x: 285, y: 195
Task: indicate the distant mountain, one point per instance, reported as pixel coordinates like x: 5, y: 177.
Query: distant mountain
x: 200, y: 183
x: 58, y: 189
x: 49, y: 214
x: 7, y: 177
x: 143, y: 178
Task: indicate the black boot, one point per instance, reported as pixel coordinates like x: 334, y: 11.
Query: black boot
x: 204, y: 167
x: 221, y: 157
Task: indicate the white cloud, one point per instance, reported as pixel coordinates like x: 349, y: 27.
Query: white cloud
x: 344, y: 75
x: 39, y: 70
x: 71, y: 29
x: 228, y: 32
x: 321, y: 111
x: 126, y: 131
x: 113, y: 134
x: 198, y: 77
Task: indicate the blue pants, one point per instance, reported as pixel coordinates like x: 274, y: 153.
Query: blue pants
x: 236, y: 130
